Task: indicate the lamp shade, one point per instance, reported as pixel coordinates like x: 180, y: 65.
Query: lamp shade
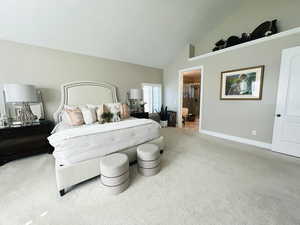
x: 19, y: 93
x: 135, y: 94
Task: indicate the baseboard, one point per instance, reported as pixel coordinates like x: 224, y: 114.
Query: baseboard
x: 238, y: 139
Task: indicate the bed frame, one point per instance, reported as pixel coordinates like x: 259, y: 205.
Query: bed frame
x: 81, y: 93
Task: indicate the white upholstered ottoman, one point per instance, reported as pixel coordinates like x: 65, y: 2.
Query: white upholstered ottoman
x: 148, y: 156
x: 114, y: 171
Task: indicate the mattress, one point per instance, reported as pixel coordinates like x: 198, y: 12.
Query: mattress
x: 73, y: 145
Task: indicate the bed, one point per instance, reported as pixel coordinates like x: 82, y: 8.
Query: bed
x: 78, y: 150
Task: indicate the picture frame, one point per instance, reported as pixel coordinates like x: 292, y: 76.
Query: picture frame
x: 242, y: 84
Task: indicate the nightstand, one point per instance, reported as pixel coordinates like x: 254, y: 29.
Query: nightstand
x: 22, y: 141
x: 140, y: 115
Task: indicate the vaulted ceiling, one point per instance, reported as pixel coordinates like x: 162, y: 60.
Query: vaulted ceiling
x: 146, y: 32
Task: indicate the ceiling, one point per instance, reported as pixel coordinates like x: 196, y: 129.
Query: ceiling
x: 145, y: 32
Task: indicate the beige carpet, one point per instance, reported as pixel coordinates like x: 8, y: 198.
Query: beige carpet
x: 203, y: 181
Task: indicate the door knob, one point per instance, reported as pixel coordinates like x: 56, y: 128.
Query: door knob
x: 278, y: 115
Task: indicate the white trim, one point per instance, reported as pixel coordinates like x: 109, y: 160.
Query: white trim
x: 180, y: 85
x: 254, y: 42
x: 238, y: 139
x: 190, y: 68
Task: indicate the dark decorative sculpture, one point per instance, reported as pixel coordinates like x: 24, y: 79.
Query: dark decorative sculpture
x: 220, y: 45
x: 233, y: 40
x: 245, y: 37
x: 265, y: 29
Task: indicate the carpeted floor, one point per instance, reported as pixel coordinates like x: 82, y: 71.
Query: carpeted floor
x: 203, y: 181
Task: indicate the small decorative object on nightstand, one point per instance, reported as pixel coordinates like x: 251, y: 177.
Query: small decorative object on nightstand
x: 140, y: 115
x: 21, y: 141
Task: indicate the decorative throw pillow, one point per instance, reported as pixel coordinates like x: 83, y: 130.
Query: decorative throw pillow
x: 100, y: 110
x: 76, y: 117
x: 65, y: 116
x: 115, y: 109
x: 89, y: 115
x: 124, y: 111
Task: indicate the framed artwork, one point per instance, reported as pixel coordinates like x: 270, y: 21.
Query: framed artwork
x: 242, y: 84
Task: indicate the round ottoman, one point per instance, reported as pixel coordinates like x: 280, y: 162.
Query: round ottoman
x: 114, y: 171
x: 148, y: 156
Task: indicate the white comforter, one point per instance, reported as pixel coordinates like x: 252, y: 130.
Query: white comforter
x: 75, y: 144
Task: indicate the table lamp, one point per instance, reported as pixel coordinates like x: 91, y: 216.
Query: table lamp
x: 22, y: 95
x: 134, y: 98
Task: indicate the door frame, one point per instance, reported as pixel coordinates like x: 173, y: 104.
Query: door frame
x: 180, y: 90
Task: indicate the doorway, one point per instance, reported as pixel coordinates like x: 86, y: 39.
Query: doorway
x: 190, y: 93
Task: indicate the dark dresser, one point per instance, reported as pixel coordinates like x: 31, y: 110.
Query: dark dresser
x: 23, y: 141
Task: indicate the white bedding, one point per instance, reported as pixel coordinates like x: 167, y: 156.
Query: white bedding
x: 76, y: 144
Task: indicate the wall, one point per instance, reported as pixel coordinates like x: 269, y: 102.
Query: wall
x: 247, y: 17
x: 48, y: 69
x: 236, y: 118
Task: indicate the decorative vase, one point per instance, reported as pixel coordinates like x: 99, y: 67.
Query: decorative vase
x: 164, y: 123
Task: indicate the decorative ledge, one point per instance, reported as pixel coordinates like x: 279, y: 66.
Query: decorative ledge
x: 254, y: 42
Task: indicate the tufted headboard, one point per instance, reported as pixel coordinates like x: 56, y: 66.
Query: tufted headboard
x: 85, y: 92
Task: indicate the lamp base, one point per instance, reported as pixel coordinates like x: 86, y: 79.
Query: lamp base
x: 25, y: 115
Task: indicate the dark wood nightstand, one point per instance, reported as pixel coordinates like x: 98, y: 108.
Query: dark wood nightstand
x: 140, y: 115
x: 22, y: 141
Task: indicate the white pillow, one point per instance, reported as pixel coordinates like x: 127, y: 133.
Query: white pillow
x: 89, y: 115
x: 94, y: 107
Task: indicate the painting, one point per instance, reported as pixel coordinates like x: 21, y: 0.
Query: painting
x: 242, y: 84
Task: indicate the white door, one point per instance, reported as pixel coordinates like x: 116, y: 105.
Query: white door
x: 286, y: 136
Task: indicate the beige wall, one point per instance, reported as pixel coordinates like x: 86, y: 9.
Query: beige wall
x: 248, y: 16
x: 237, y: 118
x: 48, y: 69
